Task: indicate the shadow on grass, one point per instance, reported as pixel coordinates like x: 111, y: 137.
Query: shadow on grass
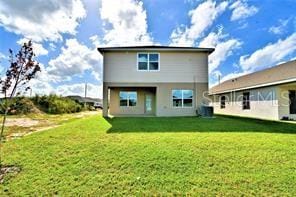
x: 197, y: 124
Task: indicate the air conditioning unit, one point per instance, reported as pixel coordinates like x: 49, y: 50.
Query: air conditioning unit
x: 205, y: 111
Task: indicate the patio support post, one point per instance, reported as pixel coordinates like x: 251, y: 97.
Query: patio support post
x: 105, y: 100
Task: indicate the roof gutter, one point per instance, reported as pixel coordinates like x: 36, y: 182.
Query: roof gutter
x: 180, y: 49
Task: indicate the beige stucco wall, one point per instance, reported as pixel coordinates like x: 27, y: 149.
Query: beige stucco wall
x: 165, y: 102
x: 174, y: 67
x: 263, y: 103
x: 284, y: 108
x: 163, y: 98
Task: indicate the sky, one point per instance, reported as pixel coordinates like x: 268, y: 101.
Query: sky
x: 247, y: 35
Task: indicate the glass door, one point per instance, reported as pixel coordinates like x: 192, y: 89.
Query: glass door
x: 148, y: 103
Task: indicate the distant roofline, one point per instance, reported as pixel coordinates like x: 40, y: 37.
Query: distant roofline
x: 276, y: 82
x: 153, y: 47
x: 254, y: 87
x: 258, y: 71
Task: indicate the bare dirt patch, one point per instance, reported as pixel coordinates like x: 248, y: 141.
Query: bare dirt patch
x: 5, y: 170
x: 18, y: 127
x: 24, y: 122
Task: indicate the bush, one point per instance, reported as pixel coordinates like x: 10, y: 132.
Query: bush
x: 54, y: 104
x: 19, y: 105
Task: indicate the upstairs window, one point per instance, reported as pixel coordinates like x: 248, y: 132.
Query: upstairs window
x: 246, y: 100
x: 128, y: 99
x: 182, y: 98
x: 142, y: 61
x: 148, y: 61
x: 222, y: 102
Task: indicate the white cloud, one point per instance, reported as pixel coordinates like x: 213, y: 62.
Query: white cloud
x: 39, y: 84
x: 94, y: 91
x: 74, y: 60
x: 216, y: 73
x: 37, y: 47
x: 43, y: 85
x: 222, y: 51
x: 223, y: 48
x: 2, y: 56
x: 39, y: 20
x: 212, y: 39
x: 125, y: 23
x: 227, y: 77
x: 45, y: 88
x: 202, y: 17
x: 40, y: 88
x: 279, y: 29
x: 214, y: 78
x: 241, y: 10
x: 95, y: 40
x: 270, y: 54
x: 52, y: 46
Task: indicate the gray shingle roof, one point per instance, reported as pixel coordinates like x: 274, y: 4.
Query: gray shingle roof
x: 279, y: 74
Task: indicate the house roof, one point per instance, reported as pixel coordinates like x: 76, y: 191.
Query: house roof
x: 280, y: 74
x: 155, y: 47
x: 84, y: 99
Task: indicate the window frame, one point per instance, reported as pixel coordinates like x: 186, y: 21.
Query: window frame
x: 139, y: 61
x: 148, y: 61
x: 128, y: 99
x: 248, y: 106
x: 182, y: 98
x: 223, y: 102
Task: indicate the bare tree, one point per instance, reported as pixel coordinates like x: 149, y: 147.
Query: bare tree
x: 22, y: 69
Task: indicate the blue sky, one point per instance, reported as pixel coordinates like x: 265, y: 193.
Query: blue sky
x: 247, y: 35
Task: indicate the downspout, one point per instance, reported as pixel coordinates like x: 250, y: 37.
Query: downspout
x: 195, y: 94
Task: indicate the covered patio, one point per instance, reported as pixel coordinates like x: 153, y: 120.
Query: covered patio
x: 131, y: 101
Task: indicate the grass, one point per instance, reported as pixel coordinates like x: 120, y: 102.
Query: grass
x: 155, y: 156
x: 194, y: 124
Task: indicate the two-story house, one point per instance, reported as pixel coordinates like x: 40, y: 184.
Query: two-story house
x: 154, y: 80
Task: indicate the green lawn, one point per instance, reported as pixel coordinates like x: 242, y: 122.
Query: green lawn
x: 156, y: 156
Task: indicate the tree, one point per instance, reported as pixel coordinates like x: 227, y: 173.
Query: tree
x: 22, y: 69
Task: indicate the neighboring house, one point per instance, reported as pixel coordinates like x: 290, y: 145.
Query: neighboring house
x: 154, y: 80
x: 268, y: 94
x: 96, y: 102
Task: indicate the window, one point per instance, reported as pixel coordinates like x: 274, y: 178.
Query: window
x: 153, y: 61
x: 143, y: 61
x: 128, y: 99
x: 222, y: 102
x: 246, y: 100
x: 182, y: 98
x: 292, y: 98
x: 148, y: 61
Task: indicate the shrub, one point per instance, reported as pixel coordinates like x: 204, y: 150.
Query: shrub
x: 54, y: 104
x: 19, y: 105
